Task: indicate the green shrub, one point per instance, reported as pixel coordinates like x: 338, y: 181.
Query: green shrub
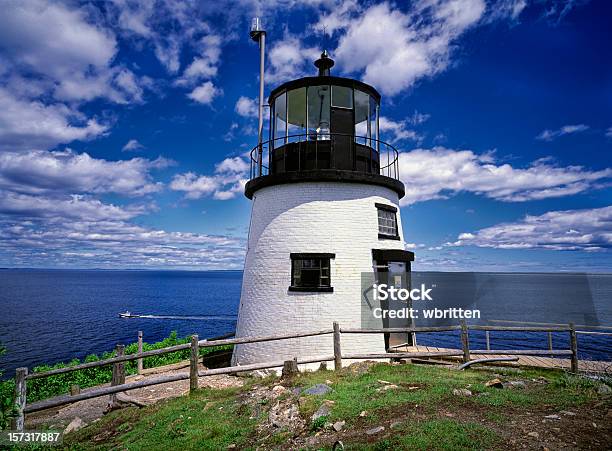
x: 59, y: 384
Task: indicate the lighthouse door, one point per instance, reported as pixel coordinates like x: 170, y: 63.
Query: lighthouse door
x: 396, y: 274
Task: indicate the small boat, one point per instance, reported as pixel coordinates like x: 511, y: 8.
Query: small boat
x: 126, y: 314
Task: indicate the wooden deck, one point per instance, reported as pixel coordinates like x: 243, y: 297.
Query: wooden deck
x: 589, y: 366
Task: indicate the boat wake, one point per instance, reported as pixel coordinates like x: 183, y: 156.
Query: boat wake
x: 184, y: 317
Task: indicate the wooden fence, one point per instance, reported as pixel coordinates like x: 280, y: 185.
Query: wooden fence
x: 118, y: 383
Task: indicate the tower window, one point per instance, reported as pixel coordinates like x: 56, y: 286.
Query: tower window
x: 311, y: 272
x: 387, y: 222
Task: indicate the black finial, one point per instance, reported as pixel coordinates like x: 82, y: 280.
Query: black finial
x: 324, y: 64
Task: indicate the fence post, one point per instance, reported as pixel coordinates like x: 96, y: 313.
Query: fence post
x: 139, y: 361
x: 18, y: 422
x: 193, y: 363
x: 118, y: 376
x: 465, y: 342
x: 488, y: 338
x: 337, y: 350
x: 574, y: 346
x: 550, y: 342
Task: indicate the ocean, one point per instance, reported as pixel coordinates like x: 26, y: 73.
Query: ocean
x: 49, y: 316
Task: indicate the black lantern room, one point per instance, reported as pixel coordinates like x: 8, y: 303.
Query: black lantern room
x: 324, y: 127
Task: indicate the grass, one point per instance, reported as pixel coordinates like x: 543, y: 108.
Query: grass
x: 425, y: 417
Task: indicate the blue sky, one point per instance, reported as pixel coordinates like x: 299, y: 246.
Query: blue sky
x: 124, y: 126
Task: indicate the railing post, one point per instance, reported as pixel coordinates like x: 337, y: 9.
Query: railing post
x: 337, y: 350
x: 193, y: 363
x: 574, y: 347
x: 550, y: 342
x: 118, y: 376
x: 488, y: 339
x: 139, y: 361
x: 18, y: 422
x: 465, y: 342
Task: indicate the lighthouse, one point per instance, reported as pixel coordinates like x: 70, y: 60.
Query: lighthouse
x: 325, y: 194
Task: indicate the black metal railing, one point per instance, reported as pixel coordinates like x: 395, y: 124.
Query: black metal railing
x: 307, y: 152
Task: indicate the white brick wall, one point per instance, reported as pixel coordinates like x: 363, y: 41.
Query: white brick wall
x: 338, y: 218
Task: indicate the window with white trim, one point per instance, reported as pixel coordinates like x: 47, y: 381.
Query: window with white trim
x: 387, y: 221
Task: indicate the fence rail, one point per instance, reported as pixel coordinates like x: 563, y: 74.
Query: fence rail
x: 118, y: 383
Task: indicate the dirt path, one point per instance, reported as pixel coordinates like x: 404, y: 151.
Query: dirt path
x: 91, y: 410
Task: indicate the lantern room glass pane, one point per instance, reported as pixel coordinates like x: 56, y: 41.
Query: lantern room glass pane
x: 280, y: 120
x: 296, y: 112
x: 342, y: 97
x: 318, y: 112
x: 362, y: 122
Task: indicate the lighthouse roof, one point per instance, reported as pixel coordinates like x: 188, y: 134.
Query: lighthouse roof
x: 324, y: 80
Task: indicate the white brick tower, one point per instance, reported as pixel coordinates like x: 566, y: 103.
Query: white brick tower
x: 325, y: 192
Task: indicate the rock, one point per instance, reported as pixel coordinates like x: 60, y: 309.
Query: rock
x: 462, y: 392
x: 604, y: 389
x: 126, y: 399
x: 517, y: 384
x: 375, y: 430
x: 278, y: 390
x: 328, y: 382
x: 387, y: 387
x: 552, y: 417
x: 339, y: 425
x: 231, y: 446
x: 534, y: 435
x: 568, y: 413
x: 380, y: 381
x: 285, y: 416
x: 324, y: 410
x: 497, y: 383
x: 261, y: 374
x: 74, y: 425
x: 395, y: 424
x: 363, y: 413
x: 359, y: 368
x: 319, y: 389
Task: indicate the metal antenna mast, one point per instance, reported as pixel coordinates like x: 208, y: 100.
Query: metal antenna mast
x: 258, y: 34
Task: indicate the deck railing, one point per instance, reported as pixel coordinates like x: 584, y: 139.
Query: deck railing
x: 382, y: 158
x: 118, y: 383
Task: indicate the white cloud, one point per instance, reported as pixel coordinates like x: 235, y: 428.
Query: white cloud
x: 399, y: 129
x: 205, y: 93
x: 440, y: 173
x: 229, y: 165
x: 75, y: 207
x: 52, y: 39
x: 609, y: 132
x: 81, y: 232
x: 394, y: 49
x: 505, y: 10
x: 195, y: 186
x: 288, y: 59
x: 132, y: 145
x: 589, y: 230
x: 66, y: 50
x: 204, y: 66
x: 549, y: 135
x: 26, y: 124
x: 37, y: 172
x: 228, y: 180
x: 247, y: 107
